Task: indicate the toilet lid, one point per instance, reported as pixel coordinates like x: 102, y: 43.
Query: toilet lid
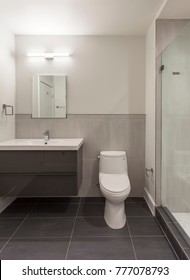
x: 115, y: 183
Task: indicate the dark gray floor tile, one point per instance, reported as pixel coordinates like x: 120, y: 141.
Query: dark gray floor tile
x: 137, y: 209
x: 55, y: 210
x: 91, y: 209
x: 59, y: 200
x: 96, y: 227
x: 153, y: 248
x: 35, y: 249
x: 134, y: 199
x: 143, y: 226
x: 101, y: 248
x: 8, y: 227
x: 16, y: 211
x: 187, y: 253
x: 48, y: 227
x: 2, y: 242
x: 26, y: 200
x: 93, y: 199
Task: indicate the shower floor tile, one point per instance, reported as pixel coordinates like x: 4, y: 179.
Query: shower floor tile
x: 74, y: 228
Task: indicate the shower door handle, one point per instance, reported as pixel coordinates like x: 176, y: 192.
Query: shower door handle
x: 60, y: 107
x: 149, y: 170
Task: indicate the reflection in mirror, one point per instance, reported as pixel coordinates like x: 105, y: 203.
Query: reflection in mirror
x: 49, y: 96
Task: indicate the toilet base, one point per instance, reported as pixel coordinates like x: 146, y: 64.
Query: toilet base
x: 114, y: 214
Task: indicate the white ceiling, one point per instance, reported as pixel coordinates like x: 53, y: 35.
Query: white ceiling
x: 176, y: 9
x: 79, y: 17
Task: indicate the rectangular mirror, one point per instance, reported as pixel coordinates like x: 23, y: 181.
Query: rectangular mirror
x: 49, y: 96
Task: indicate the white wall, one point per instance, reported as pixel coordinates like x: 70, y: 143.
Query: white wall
x: 7, y: 82
x: 105, y: 74
x: 150, y: 111
x: 7, y: 92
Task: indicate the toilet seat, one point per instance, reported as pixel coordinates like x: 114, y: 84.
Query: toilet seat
x: 115, y: 184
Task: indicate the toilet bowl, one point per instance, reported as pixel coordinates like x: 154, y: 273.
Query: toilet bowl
x: 115, y: 186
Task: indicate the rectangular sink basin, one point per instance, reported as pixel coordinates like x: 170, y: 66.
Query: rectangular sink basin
x: 72, y: 144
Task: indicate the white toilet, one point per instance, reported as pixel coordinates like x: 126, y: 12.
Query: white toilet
x: 114, y: 185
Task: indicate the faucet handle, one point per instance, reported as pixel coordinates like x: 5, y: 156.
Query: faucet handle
x: 46, y: 135
x: 46, y: 132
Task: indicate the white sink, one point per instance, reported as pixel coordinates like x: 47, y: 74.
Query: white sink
x: 40, y: 144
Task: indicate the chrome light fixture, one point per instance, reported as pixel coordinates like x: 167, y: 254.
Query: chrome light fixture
x: 48, y: 55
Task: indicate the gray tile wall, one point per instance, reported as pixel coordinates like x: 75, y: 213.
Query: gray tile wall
x: 100, y: 132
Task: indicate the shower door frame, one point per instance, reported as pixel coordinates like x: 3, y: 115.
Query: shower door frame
x: 158, y: 145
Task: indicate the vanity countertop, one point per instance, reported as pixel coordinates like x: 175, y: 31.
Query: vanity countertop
x: 66, y: 144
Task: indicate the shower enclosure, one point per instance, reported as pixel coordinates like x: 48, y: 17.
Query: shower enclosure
x: 175, y: 140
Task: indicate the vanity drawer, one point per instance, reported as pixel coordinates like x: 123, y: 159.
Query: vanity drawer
x: 38, y: 162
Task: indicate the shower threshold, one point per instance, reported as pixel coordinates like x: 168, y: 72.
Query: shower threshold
x: 174, y: 231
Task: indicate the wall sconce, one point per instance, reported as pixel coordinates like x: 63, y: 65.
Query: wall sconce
x: 48, y: 55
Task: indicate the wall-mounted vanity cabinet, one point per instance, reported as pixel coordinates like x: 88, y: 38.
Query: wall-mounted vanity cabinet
x: 40, y: 169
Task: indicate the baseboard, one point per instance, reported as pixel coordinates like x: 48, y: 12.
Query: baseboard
x: 149, y: 201
x: 5, y: 202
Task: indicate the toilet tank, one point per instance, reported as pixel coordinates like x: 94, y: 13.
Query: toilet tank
x: 113, y: 162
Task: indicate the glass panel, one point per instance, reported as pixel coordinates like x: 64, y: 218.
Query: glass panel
x: 176, y: 129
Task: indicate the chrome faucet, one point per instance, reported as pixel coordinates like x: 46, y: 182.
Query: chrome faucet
x: 46, y: 135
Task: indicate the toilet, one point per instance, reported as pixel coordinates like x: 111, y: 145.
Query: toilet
x: 114, y: 185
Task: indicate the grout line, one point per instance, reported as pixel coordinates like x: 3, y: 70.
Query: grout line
x: 66, y: 217
x: 52, y: 217
x: 72, y: 230
x: 149, y: 216
x: 85, y: 216
x: 53, y: 203
x: 18, y: 228
x: 24, y: 203
x: 12, y: 218
x: 45, y: 237
x: 101, y: 202
x: 131, y: 239
x: 93, y: 236
x: 147, y: 236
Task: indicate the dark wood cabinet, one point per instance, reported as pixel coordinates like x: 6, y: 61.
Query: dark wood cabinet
x: 40, y: 173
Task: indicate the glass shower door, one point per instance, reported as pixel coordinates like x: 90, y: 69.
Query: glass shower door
x: 175, y: 181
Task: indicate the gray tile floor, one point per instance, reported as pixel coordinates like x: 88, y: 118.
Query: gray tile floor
x: 74, y: 228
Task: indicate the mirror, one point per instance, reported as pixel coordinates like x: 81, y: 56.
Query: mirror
x: 49, y: 96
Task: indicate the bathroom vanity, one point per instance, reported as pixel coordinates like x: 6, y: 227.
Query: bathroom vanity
x: 34, y: 168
